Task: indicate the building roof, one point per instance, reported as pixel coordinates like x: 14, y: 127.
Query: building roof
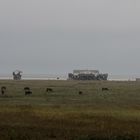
x: 85, y: 72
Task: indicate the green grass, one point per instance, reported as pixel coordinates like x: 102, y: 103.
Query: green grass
x: 66, y: 115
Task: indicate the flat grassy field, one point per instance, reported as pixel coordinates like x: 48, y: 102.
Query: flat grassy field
x: 65, y: 115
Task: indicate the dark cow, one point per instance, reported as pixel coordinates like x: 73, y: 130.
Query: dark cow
x: 27, y: 91
x: 3, y: 89
x: 80, y: 92
x: 26, y: 88
x: 49, y: 90
x: 105, y: 89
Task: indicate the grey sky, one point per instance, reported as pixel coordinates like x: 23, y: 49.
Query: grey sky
x: 57, y: 36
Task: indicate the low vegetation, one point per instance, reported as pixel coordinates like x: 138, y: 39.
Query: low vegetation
x: 64, y: 114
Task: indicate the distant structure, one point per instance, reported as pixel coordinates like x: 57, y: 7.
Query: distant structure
x: 87, y: 75
x: 138, y: 79
x: 17, y: 75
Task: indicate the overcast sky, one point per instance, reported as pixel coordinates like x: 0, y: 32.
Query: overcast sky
x: 57, y: 36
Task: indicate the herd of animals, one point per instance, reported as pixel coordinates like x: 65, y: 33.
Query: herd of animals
x: 28, y: 91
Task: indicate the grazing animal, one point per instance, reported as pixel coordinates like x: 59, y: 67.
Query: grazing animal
x: 3, y: 89
x: 80, y: 92
x: 105, y: 89
x: 49, y: 90
x: 27, y: 91
x: 26, y: 88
